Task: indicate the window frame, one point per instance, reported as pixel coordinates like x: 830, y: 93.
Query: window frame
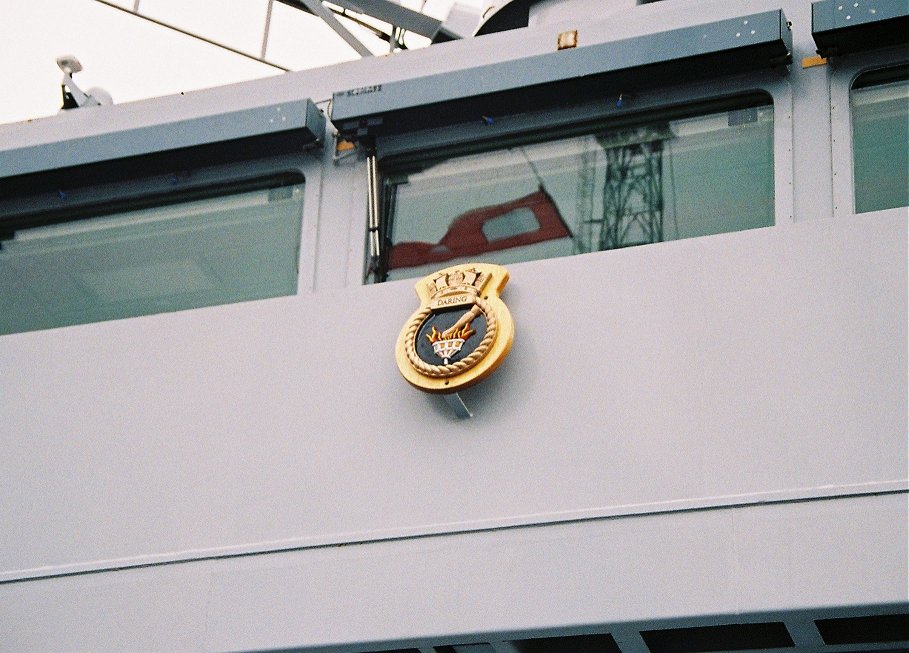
x: 635, y: 108
x: 89, y: 200
x: 843, y: 76
x: 161, y: 190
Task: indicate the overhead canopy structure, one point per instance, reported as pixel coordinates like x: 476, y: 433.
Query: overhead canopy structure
x: 35, y: 178
x: 571, y: 75
x: 840, y: 28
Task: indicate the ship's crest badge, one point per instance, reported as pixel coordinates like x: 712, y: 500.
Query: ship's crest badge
x: 461, y: 332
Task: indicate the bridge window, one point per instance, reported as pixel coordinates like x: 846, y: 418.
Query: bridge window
x: 224, y: 247
x: 880, y: 140
x: 648, y: 181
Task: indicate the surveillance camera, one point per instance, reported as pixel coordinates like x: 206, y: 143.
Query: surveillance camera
x: 69, y: 64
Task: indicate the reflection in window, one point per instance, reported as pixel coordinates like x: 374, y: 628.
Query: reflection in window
x: 199, y: 253
x: 880, y: 140
x: 514, y: 223
x: 650, y: 183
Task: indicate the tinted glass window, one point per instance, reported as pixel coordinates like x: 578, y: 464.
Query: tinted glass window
x: 214, y: 251
x: 880, y: 141
x: 657, y: 181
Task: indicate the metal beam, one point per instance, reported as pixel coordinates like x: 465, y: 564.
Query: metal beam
x: 318, y: 9
x: 384, y: 10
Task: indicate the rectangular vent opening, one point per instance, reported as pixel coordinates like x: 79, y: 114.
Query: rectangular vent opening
x: 731, y: 637
x: 574, y: 644
x: 864, y: 630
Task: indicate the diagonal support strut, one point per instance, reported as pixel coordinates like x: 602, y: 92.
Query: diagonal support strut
x: 315, y: 7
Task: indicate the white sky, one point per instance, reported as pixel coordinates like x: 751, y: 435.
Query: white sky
x: 133, y: 58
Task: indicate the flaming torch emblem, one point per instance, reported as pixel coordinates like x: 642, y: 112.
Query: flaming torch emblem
x: 447, y: 343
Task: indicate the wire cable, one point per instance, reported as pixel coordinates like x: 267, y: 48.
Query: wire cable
x: 174, y: 28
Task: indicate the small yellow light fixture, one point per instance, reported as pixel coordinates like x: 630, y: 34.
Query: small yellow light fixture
x: 568, y: 39
x: 811, y: 62
x: 342, y: 145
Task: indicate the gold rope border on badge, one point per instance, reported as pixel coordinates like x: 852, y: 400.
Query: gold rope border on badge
x: 452, y: 369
